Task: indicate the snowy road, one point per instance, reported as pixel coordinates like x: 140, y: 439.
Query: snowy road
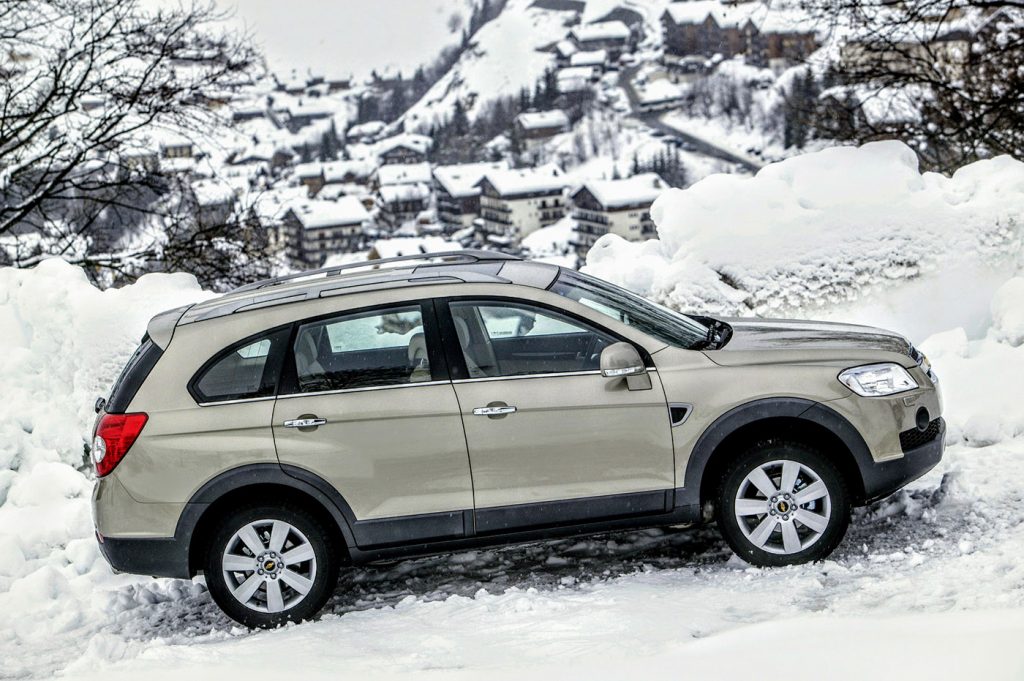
x: 953, y: 543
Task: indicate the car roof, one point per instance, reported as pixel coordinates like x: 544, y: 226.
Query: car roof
x: 452, y: 267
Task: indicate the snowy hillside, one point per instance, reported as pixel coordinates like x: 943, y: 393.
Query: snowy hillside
x: 932, y: 572
x: 295, y: 35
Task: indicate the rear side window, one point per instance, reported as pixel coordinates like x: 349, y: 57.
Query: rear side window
x: 246, y: 370
x: 363, y: 349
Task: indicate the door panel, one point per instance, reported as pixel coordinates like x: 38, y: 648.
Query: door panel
x: 389, y: 452
x: 389, y: 434
x: 571, y: 437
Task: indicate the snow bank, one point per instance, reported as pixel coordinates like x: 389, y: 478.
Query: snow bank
x: 62, y: 343
x: 817, y: 230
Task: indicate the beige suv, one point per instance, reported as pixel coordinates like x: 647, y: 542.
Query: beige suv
x: 269, y: 437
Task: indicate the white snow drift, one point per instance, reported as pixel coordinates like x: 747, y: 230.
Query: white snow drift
x: 818, y: 229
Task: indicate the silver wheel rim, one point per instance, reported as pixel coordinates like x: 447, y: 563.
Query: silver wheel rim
x: 269, y: 566
x: 783, y: 507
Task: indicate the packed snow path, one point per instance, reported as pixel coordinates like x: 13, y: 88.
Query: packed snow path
x: 952, y: 542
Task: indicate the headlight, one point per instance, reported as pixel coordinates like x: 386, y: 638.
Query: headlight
x: 877, y: 380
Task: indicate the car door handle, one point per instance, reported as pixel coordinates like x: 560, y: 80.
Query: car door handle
x: 493, y: 411
x: 305, y: 423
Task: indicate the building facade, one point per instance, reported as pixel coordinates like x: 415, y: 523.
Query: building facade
x: 621, y: 207
x: 314, y: 230
x: 515, y: 203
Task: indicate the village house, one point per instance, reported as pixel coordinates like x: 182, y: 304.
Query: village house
x: 405, y: 246
x: 612, y: 36
x: 457, y: 193
x: 658, y: 95
x: 775, y: 38
x: 621, y: 207
x: 597, y: 60
x: 401, y: 203
x: 401, y: 173
x: 311, y: 176
x: 215, y: 201
x: 300, y: 114
x: 514, y: 203
x: 534, y: 127
x: 403, y: 148
x: 315, y: 229
x: 365, y: 133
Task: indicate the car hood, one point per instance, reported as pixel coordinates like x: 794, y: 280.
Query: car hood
x: 773, y: 340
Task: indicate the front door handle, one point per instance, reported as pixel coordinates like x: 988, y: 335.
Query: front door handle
x: 494, y: 410
x: 305, y: 422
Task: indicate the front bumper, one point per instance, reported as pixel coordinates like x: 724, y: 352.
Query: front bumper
x: 883, y: 478
x: 158, y: 557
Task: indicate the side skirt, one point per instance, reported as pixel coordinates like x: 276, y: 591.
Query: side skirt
x: 412, y: 536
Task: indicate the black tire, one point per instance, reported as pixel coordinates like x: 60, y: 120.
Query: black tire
x: 324, y: 579
x: 826, y: 540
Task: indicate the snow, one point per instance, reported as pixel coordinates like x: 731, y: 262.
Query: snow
x: 404, y: 173
x: 926, y: 584
x: 604, y: 30
x: 393, y: 248
x: 460, y: 180
x: 483, y: 72
x: 551, y: 241
x: 630, y: 191
x: 301, y: 35
x: 415, y: 191
x: 518, y: 181
x: 817, y: 230
x: 348, y: 210
x: 539, y: 120
x: 658, y: 91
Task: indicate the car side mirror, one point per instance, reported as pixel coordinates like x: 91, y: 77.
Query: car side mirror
x: 621, y: 360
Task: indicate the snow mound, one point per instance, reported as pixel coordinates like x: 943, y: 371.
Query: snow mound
x: 62, y: 343
x: 817, y: 230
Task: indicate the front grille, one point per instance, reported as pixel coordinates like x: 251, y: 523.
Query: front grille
x: 914, y: 438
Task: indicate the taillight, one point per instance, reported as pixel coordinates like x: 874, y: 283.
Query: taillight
x: 115, y: 435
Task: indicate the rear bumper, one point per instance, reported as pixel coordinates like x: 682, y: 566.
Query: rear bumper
x: 146, y: 556
x: 883, y: 478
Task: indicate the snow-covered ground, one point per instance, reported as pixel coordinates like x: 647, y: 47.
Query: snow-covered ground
x: 928, y: 584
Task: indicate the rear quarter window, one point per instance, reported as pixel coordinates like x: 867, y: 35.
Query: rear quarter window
x: 248, y: 369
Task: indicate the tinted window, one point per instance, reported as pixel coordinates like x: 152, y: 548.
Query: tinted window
x: 246, y: 370
x: 632, y: 310
x: 516, y: 339
x: 360, y: 350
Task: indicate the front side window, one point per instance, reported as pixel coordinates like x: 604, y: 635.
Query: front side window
x: 363, y: 349
x: 247, y: 370
x: 500, y: 338
x: 632, y: 310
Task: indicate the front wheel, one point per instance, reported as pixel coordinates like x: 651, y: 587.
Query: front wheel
x: 783, y: 503
x: 269, y: 565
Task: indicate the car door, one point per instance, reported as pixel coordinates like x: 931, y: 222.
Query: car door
x: 550, y: 439
x: 366, y: 404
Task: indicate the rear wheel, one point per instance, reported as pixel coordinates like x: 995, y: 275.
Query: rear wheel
x: 270, y: 565
x: 783, y: 503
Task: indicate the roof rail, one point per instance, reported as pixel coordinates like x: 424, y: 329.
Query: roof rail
x: 464, y: 256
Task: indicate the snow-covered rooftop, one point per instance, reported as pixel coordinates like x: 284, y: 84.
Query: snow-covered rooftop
x: 603, y: 30
x: 658, y: 91
x: 368, y: 129
x: 212, y: 192
x: 394, y: 248
x: 348, y: 210
x: 589, y: 58
x: 539, y: 120
x: 543, y: 179
x: 404, y: 192
x: 420, y: 143
x: 630, y: 191
x: 403, y: 173
x: 461, y: 180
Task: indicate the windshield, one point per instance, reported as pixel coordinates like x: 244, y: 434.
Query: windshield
x: 639, y: 313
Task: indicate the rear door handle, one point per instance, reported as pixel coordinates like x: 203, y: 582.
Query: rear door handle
x: 305, y: 422
x: 493, y: 411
